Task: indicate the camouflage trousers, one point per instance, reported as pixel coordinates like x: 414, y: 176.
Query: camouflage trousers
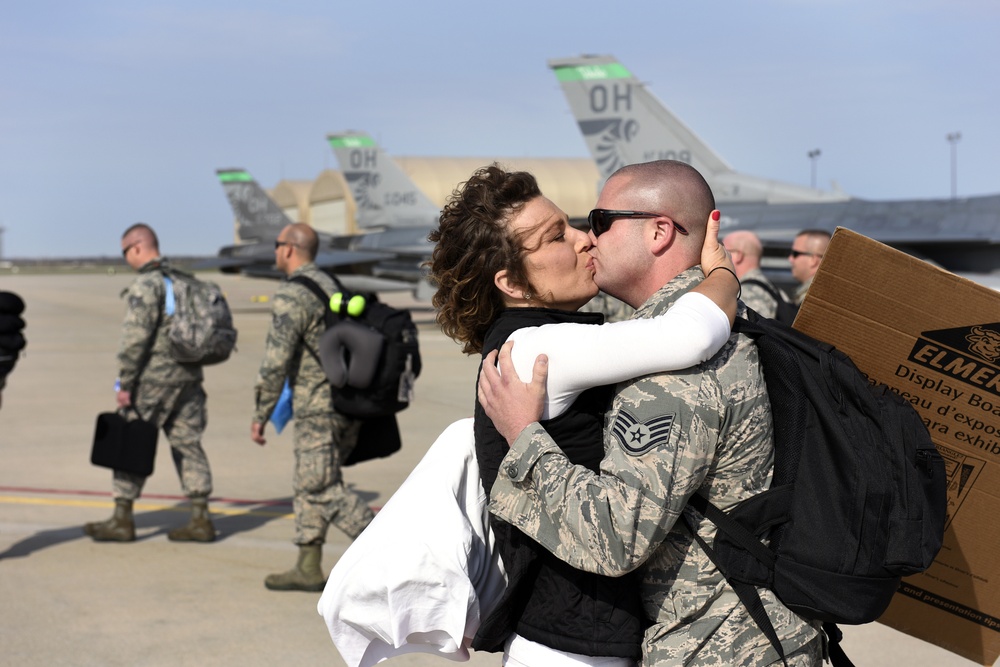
x: 179, y: 410
x: 322, y: 441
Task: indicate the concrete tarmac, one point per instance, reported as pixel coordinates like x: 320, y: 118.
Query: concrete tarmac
x: 66, y: 600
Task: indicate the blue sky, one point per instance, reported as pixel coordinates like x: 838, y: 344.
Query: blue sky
x: 113, y: 112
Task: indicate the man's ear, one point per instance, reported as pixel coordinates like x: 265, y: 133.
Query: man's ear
x: 664, y: 233
x: 506, y: 287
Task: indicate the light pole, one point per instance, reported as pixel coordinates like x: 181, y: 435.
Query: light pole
x: 953, y: 138
x: 813, y: 156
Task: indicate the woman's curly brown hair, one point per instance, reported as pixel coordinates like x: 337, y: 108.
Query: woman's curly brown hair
x: 473, y: 242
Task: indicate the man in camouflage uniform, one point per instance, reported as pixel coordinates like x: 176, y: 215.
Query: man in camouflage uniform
x: 161, y: 391
x: 807, y: 253
x: 323, y: 437
x: 746, y: 250
x: 706, y: 428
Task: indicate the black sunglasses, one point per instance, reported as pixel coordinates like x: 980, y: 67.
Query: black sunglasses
x: 129, y: 247
x: 795, y: 254
x: 600, y: 219
x: 278, y: 244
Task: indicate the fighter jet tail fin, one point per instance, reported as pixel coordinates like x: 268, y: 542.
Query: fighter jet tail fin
x: 257, y: 216
x: 384, y: 194
x: 622, y: 122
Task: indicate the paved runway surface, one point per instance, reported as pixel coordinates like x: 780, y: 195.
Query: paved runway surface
x: 65, y: 600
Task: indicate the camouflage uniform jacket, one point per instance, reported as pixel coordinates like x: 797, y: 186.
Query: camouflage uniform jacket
x: 755, y: 296
x: 296, y: 323
x: 144, y: 356
x: 666, y: 436
x: 801, y: 291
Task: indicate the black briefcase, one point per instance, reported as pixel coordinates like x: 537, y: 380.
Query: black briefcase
x: 126, y: 445
x: 379, y: 437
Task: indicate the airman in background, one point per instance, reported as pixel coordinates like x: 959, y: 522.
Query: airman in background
x: 323, y: 437
x: 161, y: 391
x: 807, y: 252
x: 746, y: 250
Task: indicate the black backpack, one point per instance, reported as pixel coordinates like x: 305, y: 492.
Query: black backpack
x: 12, y: 340
x: 372, y: 359
x: 857, y: 500
x: 786, y: 310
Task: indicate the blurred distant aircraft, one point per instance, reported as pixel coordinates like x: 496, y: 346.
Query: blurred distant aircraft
x: 381, y: 259
x: 623, y: 123
x: 385, y: 196
x: 395, y: 214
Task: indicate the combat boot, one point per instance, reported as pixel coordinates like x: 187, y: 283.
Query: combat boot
x: 199, y: 528
x: 119, y: 528
x: 305, y: 576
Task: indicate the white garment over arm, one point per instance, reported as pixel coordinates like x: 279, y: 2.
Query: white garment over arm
x: 586, y: 355
x: 415, y: 579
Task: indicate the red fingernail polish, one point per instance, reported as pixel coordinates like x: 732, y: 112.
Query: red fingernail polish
x: 716, y: 215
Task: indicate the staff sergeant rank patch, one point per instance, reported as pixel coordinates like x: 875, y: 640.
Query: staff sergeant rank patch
x: 636, y: 437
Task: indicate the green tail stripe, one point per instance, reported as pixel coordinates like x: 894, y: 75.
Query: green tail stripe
x: 353, y: 141
x: 230, y: 176
x: 590, y: 72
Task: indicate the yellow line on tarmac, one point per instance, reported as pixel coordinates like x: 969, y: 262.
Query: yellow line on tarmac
x: 17, y: 500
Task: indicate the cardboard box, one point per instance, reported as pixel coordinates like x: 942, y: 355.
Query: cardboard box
x: 935, y: 338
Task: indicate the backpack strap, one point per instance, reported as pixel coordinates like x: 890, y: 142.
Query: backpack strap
x: 170, y: 274
x: 734, y: 530
x: 323, y: 297
x: 774, y: 294
x: 312, y: 286
x: 833, y: 638
x: 773, y: 340
x: 747, y: 593
x: 336, y: 281
x: 169, y: 300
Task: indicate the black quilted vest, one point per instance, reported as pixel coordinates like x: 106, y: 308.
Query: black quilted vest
x: 546, y: 600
